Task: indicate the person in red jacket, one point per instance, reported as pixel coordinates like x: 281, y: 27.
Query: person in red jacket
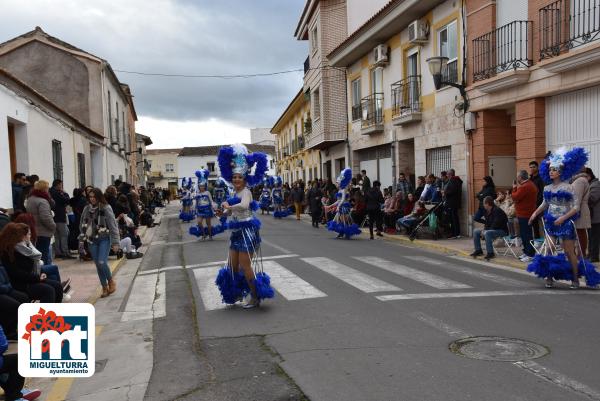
x: 524, y: 196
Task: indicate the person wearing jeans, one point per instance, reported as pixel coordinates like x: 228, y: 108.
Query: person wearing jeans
x: 39, y: 205
x: 524, y: 196
x: 99, y: 228
x: 495, y: 225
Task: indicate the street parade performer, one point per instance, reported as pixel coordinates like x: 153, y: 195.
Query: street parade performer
x: 561, y: 209
x: 205, y: 209
x: 243, y: 273
x: 265, y: 195
x: 342, y: 221
x: 186, y: 214
x: 279, y: 209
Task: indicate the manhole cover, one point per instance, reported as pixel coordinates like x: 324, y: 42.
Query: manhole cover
x: 498, y: 349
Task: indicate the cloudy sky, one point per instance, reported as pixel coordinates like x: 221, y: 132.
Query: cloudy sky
x: 190, y: 37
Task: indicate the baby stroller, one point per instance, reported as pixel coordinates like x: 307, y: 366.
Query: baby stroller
x: 430, y: 222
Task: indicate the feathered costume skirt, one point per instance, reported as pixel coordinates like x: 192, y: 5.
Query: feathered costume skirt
x: 342, y: 223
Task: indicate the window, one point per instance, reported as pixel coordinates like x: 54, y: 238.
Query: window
x: 448, y: 47
x: 316, y: 101
x: 314, y: 39
x: 117, y: 135
x: 210, y: 166
x: 110, y: 128
x: 377, y: 80
x: 438, y: 160
x: 81, y: 169
x: 124, y: 143
x: 57, y: 160
x: 169, y: 167
x: 356, y: 96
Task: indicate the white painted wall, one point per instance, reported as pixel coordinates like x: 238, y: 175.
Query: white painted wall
x: 359, y: 11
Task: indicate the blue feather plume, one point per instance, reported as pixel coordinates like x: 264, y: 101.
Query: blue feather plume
x: 261, y: 166
x: 253, y: 223
x: 225, y: 158
x: 226, y: 283
x: 234, y: 200
x: 262, y: 283
x: 573, y: 161
x: 279, y: 214
x: 557, y: 267
x: 588, y: 270
x: 347, y: 231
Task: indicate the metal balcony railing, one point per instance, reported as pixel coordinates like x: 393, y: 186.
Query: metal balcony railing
x: 372, y: 110
x: 566, y: 24
x: 506, y: 48
x: 406, y: 96
x: 306, y: 65
x: 450, y: 74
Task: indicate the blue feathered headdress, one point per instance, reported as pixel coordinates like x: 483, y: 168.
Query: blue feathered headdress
x: 220, y: 183
x: 277, y: 181
x: 235, y: 159
x: 268, y: 181
x: 568, y: 162
x: 186, y: 185
x: 344, y: 178
x: 203, y: 177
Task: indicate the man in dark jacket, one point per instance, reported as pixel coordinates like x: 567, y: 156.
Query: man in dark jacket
x: 17, y: 192
x: 374, y: 200
x: 366, y: 182
x: 314, y: 204
x: 61, y: 235
x: 496, y: 223
x: 453, y: 197
x: 534, y: 176
x: 297, y: 195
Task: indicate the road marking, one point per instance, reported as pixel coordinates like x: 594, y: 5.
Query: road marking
x: 209, y: 292
x: 208, y: 264
x: 290, y: 286
x: 468, y: 271
x: 350, y: 276
x: 558, y: 379
x: 279, y: 248
x: 147, y: 299
x: 422, y: 277
x: 493, y: 265
x: 162, y: 242
x: 530, y: 366
x: 479, y: 294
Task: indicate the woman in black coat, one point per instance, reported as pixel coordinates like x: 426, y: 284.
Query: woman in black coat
x: 488, y: 189
x: 315, y: 204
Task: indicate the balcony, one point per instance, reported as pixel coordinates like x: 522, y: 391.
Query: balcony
x: 406, y: 100
x: 504, y: 55
x: 372, y: 114
x: 306, y: 65
x: 450, y: 74
x: 565, y: 25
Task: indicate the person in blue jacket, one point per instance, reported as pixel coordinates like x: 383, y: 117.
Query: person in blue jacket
x: 10, y: 379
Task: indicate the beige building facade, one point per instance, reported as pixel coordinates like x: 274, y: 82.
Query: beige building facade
x: 163, y: 172
x: 294, y: 160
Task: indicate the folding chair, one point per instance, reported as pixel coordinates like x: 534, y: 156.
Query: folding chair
x: 510, y: 245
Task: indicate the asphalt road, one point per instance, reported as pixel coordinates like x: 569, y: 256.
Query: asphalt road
x: 361, y: 320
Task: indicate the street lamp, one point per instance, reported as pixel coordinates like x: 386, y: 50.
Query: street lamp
x: 437, y: 65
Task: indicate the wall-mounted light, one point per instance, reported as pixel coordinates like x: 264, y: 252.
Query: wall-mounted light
x: 437, y: 66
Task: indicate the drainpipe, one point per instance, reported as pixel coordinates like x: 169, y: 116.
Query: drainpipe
x: 394, y: 160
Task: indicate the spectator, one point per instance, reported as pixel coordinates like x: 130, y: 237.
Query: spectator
x: 534, y: 176
x: 99, y: 228
x: 4, y: 218
x: 61, y: 235
x: 403, y: 186
x: 26, y: 218
x: 24, y: 272
x: 314, y: 203
x: 297, y: 195
x: 442, y: 182
x: 504, y: 201
x: 10, y: 299
x: 11, y: 381
x: 581, y: 192
x: 410, y: 220
x: 429, y: 193
x: 39, y: 205
x: 374, y: 200
x: 409, y: 205
x: 392, y: 209
x: 495, y: 225
x: 111, y: 195
x: 594, y: 205
x: 453, y: 196
x: 488, y: 189
x: 359, y: 208
x: 366, y: 182
x: 17, y: 191
x: 524, y: 195
x: 420, y: 187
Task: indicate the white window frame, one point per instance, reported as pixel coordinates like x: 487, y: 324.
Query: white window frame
x: 316, y: 102
x: 314, y: 39
x: 356, y: 92
x: 439, y: 41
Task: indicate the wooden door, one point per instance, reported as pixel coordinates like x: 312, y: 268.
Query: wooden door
x: 12, y: 149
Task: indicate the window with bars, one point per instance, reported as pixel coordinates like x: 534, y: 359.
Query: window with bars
x: 438, y: 160
x: 81, y: 169
x: 57, y: 163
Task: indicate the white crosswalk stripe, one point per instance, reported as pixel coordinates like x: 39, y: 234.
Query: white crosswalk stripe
x: 289, y: 285
x: 209, y: 292
x: 470, y: 272
x: 147, y: 299
x: 420, y: 276
x: 350, y: 276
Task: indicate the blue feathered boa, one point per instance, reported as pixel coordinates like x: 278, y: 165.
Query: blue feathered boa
x: 234, y: 286
x: 253, y: 223
x: 279, y: 214
x: 199, y: 232
x: 558, y: 195
x: 347, y: 230
x: 559, y: 268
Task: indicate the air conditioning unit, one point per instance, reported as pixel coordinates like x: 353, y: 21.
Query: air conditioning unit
x: 380, y: 54
x: 418, y: 31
